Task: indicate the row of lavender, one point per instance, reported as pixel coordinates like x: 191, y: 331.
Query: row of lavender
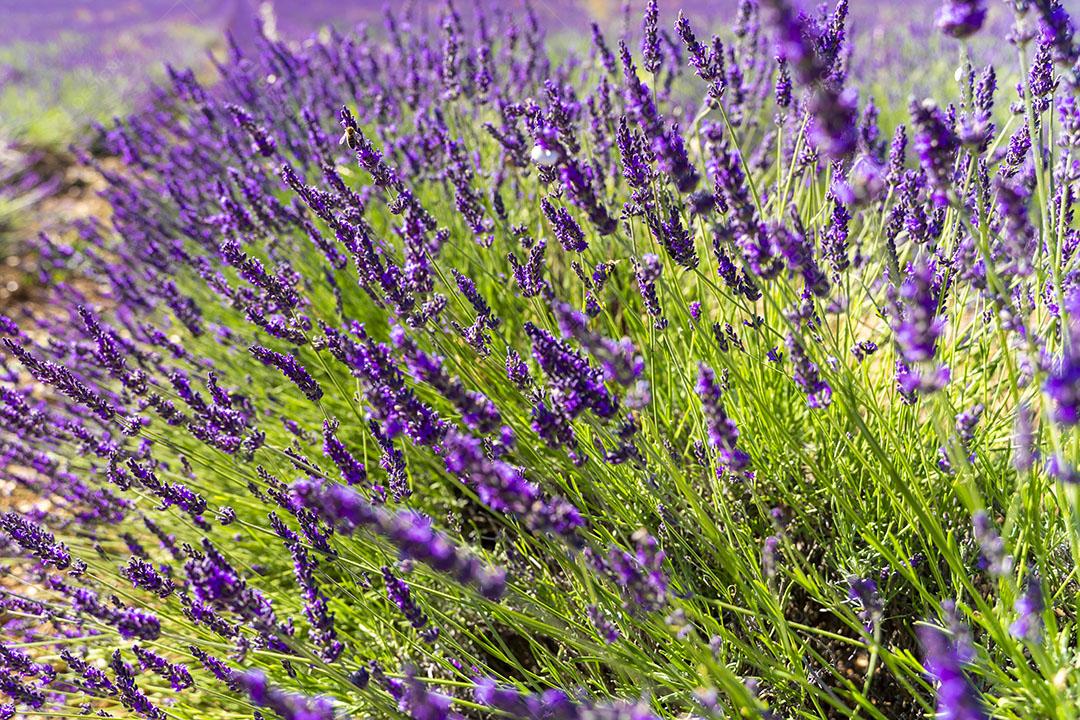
x: 435, y: 372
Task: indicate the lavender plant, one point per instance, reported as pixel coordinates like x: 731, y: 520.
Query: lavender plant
x: 645, y: 382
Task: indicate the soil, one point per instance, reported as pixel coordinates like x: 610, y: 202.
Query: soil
x: 75, y: 197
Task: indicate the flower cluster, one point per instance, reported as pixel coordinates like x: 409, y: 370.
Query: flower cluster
x: 632, y: 378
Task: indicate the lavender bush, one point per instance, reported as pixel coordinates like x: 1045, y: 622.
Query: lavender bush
x: 440, y: 376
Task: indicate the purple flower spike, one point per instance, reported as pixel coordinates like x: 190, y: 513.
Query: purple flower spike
x: 956, y: 698
x: 650, y: 38
x: 722, y: 431
x: 399, y: 593
x: 818, y: 392
x: 504, y: 488
x: 992, y: 547
x: 619, y: 360
x: 177, y: 675
x: 553, y: 704
x: 216, y: 667
x: 961, y: 18
x: 863, y: 593
x: 290, y: 706
x: 675, y: 237
x: 816, y: 66
x: 936, y: 145
x: 129, y: 622
x: 352, y: 470
x: 36, y: 540
x: 291, y: 368
x: 647, y: 272
x: 1028, y: 625
x: 130, y: 695
x: 144, y: 575
x: 578, y: 386
x: 566, y: 229
x: 1063, y: 388
x: 315, y: 603
x: 411, y: 533
x: 1062, y: 470
x: 916, y: 323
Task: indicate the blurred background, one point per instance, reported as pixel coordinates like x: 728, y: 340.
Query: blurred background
x: 68, y: 64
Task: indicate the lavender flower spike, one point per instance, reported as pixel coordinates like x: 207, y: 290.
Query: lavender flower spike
x: 991, y: 545
x: 1029, y: 608
x: 411, y: 533
x: 399, y: 593
x: 290, y: 368
x: 504, y: 488
x: 289, y: 706
x: 722, y: 431
x: 956, y: 698
x: 553, y: 704
x: 961, y: 18
x: 36, y: 539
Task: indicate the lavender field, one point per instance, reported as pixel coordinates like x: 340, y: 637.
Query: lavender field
x: 558, y: 361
